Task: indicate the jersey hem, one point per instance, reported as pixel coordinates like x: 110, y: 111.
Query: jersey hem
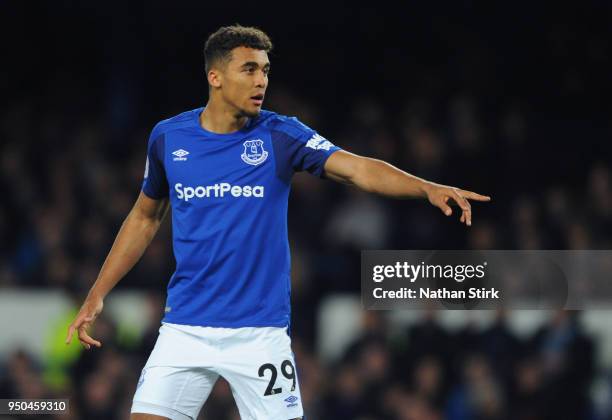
x: 322, y: 173
x: 153, y: 196
x: 227, y: 325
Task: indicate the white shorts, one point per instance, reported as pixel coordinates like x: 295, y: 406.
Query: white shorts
x: 187, y: 360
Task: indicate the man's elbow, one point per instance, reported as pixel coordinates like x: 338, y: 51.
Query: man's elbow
x: 141, y: 221
x: 352, y: 169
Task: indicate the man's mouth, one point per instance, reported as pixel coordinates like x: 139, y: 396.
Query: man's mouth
x: 257, y: 99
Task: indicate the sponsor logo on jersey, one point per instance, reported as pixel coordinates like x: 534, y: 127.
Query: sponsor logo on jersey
x: 319, y: 142
x: 218, y: 190
x: 180, y: 154
x: 254, y: 153
x: 291, y: 401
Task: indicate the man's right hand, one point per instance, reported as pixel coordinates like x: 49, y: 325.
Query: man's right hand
x: 87, y: 314
x: 137, y: 231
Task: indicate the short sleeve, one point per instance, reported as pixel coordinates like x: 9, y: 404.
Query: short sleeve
x: 155, y: 183
x: 300, y: 148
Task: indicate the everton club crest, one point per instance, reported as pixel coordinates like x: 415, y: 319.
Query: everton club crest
x: 254, y: 153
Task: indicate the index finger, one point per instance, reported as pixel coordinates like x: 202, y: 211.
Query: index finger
x: 76, y: 324
x: 475, y: 196
x: 70, y: 333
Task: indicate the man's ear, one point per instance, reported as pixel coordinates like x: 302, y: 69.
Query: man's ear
x: 214, y: 77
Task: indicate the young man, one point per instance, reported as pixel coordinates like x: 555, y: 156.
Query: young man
x: 226, y: 171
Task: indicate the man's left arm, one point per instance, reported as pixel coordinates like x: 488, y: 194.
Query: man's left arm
x: 377, y: 176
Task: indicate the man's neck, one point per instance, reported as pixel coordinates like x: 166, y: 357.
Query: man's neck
x: 221, y: 119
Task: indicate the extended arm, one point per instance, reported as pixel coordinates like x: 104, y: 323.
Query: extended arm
x: 137, y: 231
x: 377, y: 176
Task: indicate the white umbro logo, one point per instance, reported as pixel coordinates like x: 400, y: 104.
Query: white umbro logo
x: 180, y: 154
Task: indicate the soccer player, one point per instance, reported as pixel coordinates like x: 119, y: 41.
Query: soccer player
x: 226, y: 171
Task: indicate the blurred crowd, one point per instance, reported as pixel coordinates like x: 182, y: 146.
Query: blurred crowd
x: 527, y: 124
x: 428, y: 373
x: 424, y: 372
x: 70, y: 186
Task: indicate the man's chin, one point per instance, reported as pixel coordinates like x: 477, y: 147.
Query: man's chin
x: 251, y: 113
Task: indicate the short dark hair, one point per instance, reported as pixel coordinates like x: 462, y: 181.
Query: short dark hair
x: 220, y: 44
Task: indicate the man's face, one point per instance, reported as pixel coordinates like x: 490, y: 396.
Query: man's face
x: 244, y: 79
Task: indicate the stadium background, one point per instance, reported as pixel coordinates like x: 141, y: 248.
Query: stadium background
x: 504, y: 99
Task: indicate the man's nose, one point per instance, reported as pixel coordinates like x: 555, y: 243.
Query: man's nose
x: 260, y: 80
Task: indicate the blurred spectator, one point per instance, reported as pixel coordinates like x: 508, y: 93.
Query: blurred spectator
x: 479, y: 395
x: 566, y: 357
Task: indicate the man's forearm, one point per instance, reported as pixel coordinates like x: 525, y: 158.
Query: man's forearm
x: 132, y: 240
x: 383, y: 178
x: 376, y: 176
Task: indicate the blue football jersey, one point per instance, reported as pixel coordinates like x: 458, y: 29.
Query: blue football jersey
x: 229, y: 195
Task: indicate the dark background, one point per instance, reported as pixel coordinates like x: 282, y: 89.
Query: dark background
x: 506, y: 99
